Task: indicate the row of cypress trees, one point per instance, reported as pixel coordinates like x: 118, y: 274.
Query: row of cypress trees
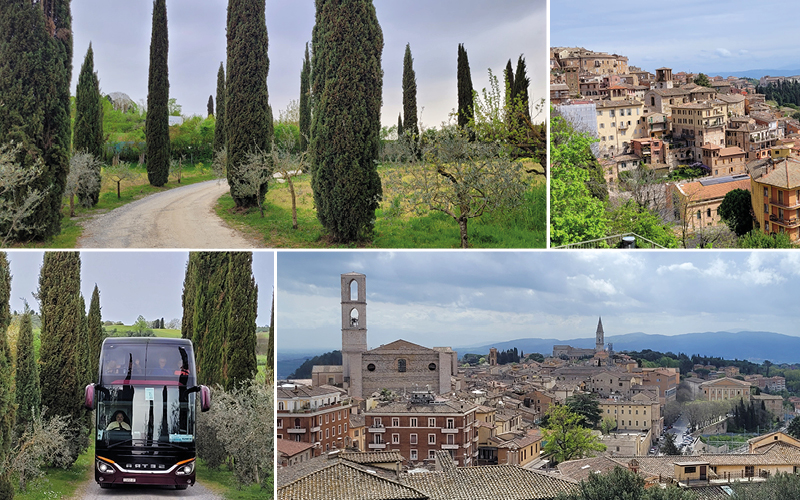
x: 220, y: 303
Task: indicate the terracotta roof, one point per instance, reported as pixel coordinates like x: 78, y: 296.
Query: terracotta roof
x: 489, y: 482
x: 372, y: 457
x: 699, y: 193
x: 291, y: 448
x: 733, y: 150
x: 344, y: 481
x: 579, y: 470
x: 449, y: 407
x: 786, y: 174
x: 399, y: 345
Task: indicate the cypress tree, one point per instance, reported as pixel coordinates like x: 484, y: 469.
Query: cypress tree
x: 345, y: 129
x: 219, y: 126
x: 189, y: 280
x: 88, y: 132
x: 35, y: 72
x: 248, y: 118
x: 210, y: 105
x: 520, y: 91
x: 210, y: 318
x: 400, y: 130
x: 465, y: 98
x: 271, y: 341
x: 409, y: 95
x: 305, y: 102
x: 29, y: 394
x: 242, y: 310
x: 62, y: 351
x: 157, y: 122
x: 509, y: 81
x: 7, y: 405
x: 57, y: 133
x: 96, y: 334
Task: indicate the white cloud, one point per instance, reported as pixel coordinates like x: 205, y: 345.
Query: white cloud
x: 686, y: 266
x: 723, y: 52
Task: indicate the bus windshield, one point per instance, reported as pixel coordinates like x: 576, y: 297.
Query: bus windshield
x: 149, y: 363
x: 145, y: 415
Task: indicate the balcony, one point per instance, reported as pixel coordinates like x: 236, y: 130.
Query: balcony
x: 296, y: 430
x: 784, y: 203
x: 445, y: 430
x: 450, y: 446
x: 315, y: 429
x: 623, y: 126
x: 376, y: 446
x: 785, y: 222
x: 380, y: 429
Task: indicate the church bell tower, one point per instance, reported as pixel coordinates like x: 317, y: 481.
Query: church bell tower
x: 354, y: 322
x: 599, y: 337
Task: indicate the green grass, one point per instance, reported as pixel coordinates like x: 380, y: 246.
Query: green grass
x: 223, y: 482
x: 60, y: 483
x: 123, y: 330
x: 524, y: 227
x: 130, y: 191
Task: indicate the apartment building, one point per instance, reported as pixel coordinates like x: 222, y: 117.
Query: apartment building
x: 776, y: 197
x: 640, y: 413
x: 725, y: 388
x: 699, y: 123
x: 422, y: 426
x: 316, y: 415
x: 618, y: 122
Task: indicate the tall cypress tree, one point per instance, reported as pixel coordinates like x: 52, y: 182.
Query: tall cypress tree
x: 346, y: 84
x: 520, y: 91
x: 400, y: 130
x: 96, y: 334
x: 210, y: 105
x: 242, y: 310
x: 35, y: 72
x: 157, y: 123
x: 88, y: 133
x: 210, y: 318
x: 248, y: 123
x: 7, y: 415
x: 57, y: 133
x: 509, y: 81
x: 61, y: 353
x: 219, y: 126
x: 409, y: 95
x: 29, y: 394
x: 305, y: 102
x: 465, y: 98
x: 271, y: 341
x: 187, y: 298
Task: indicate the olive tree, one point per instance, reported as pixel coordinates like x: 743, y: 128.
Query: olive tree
x: 83, y: 181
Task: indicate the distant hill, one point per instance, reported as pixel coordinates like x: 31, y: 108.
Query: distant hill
x: 758, y: 73
x: 753, y: 346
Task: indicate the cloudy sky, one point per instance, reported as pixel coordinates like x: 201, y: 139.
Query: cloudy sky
x: 492, y: 32
x: 709, y: 37
x: 132, y: 283
x: 470, y: 298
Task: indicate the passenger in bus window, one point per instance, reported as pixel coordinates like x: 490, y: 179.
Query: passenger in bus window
x: 119, y: 423
x: 162, y: 367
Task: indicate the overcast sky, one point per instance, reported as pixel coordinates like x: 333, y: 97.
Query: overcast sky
x: 492, y: 31
x: 470, y: 298
x: 132, y: 283
x: 708, y: 37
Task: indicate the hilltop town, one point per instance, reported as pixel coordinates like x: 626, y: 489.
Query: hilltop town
x: 690, y: 138
x: 407, y: 421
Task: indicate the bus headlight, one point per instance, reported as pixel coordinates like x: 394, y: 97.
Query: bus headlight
x: 104, y: 468
x: 185, y: 470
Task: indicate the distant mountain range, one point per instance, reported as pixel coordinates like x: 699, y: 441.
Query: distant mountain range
x: 752, y: 346
x: 758, y: 73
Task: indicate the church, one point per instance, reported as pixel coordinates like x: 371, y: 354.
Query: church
x: 576, y: 352
x: 400, y: 366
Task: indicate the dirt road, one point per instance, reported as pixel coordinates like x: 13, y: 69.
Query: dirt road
x: 179, y: 218
x: 91, y: 491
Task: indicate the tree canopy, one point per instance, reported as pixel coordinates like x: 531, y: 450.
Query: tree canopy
x: 566, y: 438
x: 736, y: 210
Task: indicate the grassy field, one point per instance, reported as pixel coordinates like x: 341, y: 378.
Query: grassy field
x: 122, y: 331
x: 60, y: 483
x: 524, y: 228
x: 224, y: 483
x: 131, y: 190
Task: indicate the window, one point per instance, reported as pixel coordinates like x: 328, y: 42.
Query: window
x: 371, y: 367
x: 280, y: 423
x: 431, y: 438
x: 413, y: 455
x: 395, y: 422
x: 377, y: 422
x: 708, y: 212
x: 431, y: 422
x: 395, y: 438
x: 432, y: 366
x: 690, y: 470
x: 413, y: 422
x: 413, y: 439
x: 401, y: 365
x: 451, y: 423
x: 280, y: 405
x: 327, y: 433
x: 328, y: 416
x: 377, y: 439
x: 431, y: 455
x: 602, y: 125
x: 451, y: 439
x: 340, y: 428
x: 699, y: 214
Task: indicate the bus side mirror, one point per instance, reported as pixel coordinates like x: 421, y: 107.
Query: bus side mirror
x: 88, y: 397
x: 205, y: 398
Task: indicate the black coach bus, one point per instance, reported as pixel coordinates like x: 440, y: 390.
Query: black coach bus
x: 145, y: 412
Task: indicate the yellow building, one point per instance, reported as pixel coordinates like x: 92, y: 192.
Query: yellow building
x: 724, y: 389
x: 776, y: 197
x: 618, y: 122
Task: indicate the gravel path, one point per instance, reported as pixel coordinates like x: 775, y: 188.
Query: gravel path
x: 179, y: 218
x: 91, y: 490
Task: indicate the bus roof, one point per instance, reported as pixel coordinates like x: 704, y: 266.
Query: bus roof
x: 146, y: 340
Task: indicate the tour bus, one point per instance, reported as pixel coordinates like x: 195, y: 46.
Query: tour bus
x: 145, y: 412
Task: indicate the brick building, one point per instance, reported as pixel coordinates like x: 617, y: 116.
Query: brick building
x: 315, y: 415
